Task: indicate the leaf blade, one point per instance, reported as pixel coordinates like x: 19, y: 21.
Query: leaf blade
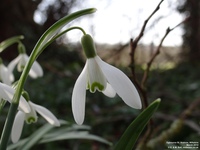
x: 131, y: 134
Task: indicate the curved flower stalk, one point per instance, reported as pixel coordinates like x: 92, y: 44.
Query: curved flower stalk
x: 98, y: 75
x: 47, y: 38
x: 31, y: 117
x: 7, y: 92
x: 21, y: 60
x: 5, y: 76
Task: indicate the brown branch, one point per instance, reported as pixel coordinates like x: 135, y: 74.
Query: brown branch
x: 144, y: 79
x: 146, y: 73
x: 134, y: 43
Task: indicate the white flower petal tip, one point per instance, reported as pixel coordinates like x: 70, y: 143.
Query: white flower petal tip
x: 109, y: 91
x: 17, y: 127
x: 78, y: 97
x: 46, y: 114
x: 121, y: 84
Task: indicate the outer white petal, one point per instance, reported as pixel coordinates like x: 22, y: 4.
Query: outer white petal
x: 46, y: 114
x: 36, y: 69
x: 78, y: 97
x: 121, y: 84
x: 7, y: 93
x: 4, y: 75
x: 12, y: 65
x: 17, y: 126
x: 109, y: 91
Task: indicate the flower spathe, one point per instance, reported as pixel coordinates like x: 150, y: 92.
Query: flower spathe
x: 7, y: 92
x: 98, y: 75
x: 31, y: 118
x: 20, y: 61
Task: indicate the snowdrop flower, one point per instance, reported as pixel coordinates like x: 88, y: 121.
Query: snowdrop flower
x: 7, y: 92
x: 21, y: 60
x: 98, y: 75
x: 5, y: 76
x: 31, y: 117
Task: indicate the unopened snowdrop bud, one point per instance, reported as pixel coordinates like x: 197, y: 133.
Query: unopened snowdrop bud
x: 88, y: 46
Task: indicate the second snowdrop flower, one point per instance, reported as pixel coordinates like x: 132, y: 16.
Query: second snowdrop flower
x: 21, y: 60
x: 98, y: 75
x: 31, y: 117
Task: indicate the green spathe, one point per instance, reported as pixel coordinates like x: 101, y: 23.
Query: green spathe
x: 88, y: 46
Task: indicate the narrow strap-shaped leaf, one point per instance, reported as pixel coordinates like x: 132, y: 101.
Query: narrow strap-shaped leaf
x: 130, y: 136
x: 36, y: 136
x: 75, y: 135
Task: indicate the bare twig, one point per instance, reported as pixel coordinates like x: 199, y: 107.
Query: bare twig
x: 133, y: 45
x: 168, y: 30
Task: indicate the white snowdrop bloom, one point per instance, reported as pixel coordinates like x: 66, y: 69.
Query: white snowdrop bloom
x: 7, y: 93
x: 20, y: 61
x: 98, y: 75
x: 31, y: 117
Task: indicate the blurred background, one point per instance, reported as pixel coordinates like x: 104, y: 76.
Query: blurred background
x: 174, y: 74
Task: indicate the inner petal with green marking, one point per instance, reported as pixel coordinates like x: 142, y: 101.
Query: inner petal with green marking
x: 96, y: 78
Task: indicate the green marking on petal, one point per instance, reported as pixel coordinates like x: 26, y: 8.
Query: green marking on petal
x: 31, y: 120
x: 96, y: 85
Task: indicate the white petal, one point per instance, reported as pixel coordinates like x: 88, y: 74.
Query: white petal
x: 36, y: 69
x: 4, y: 75
x: 109, y: 91
x: 7, y: 94
x: 121, y: 84
x: 17, y: 126
x: 78, y: 97
x: 13, y: 63
x: 46, y: 114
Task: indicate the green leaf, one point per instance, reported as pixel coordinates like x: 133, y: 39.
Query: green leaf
x: 35, y: 137
x: 10, y: 41
x: 75, y: 135
x: 130, y: 136
x: 49, y: 133
x: 50, y: 33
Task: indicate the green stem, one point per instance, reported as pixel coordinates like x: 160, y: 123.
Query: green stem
x: 7, y: 129
x: 2, y: 104
x: 47, y: 38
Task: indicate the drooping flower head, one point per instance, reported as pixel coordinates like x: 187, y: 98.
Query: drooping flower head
x: 98, y: 75
x: 30, y: 117
x: 21, y: 60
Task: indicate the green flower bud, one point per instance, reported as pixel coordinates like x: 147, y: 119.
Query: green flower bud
x: 88, y: 46
x: 21, y: 48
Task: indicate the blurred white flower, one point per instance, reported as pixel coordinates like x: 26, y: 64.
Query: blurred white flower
x: 31, y: 117
x: 7, y: 92
x: 5, y: 76
x: 98, y: 75
x: 20, y: 61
